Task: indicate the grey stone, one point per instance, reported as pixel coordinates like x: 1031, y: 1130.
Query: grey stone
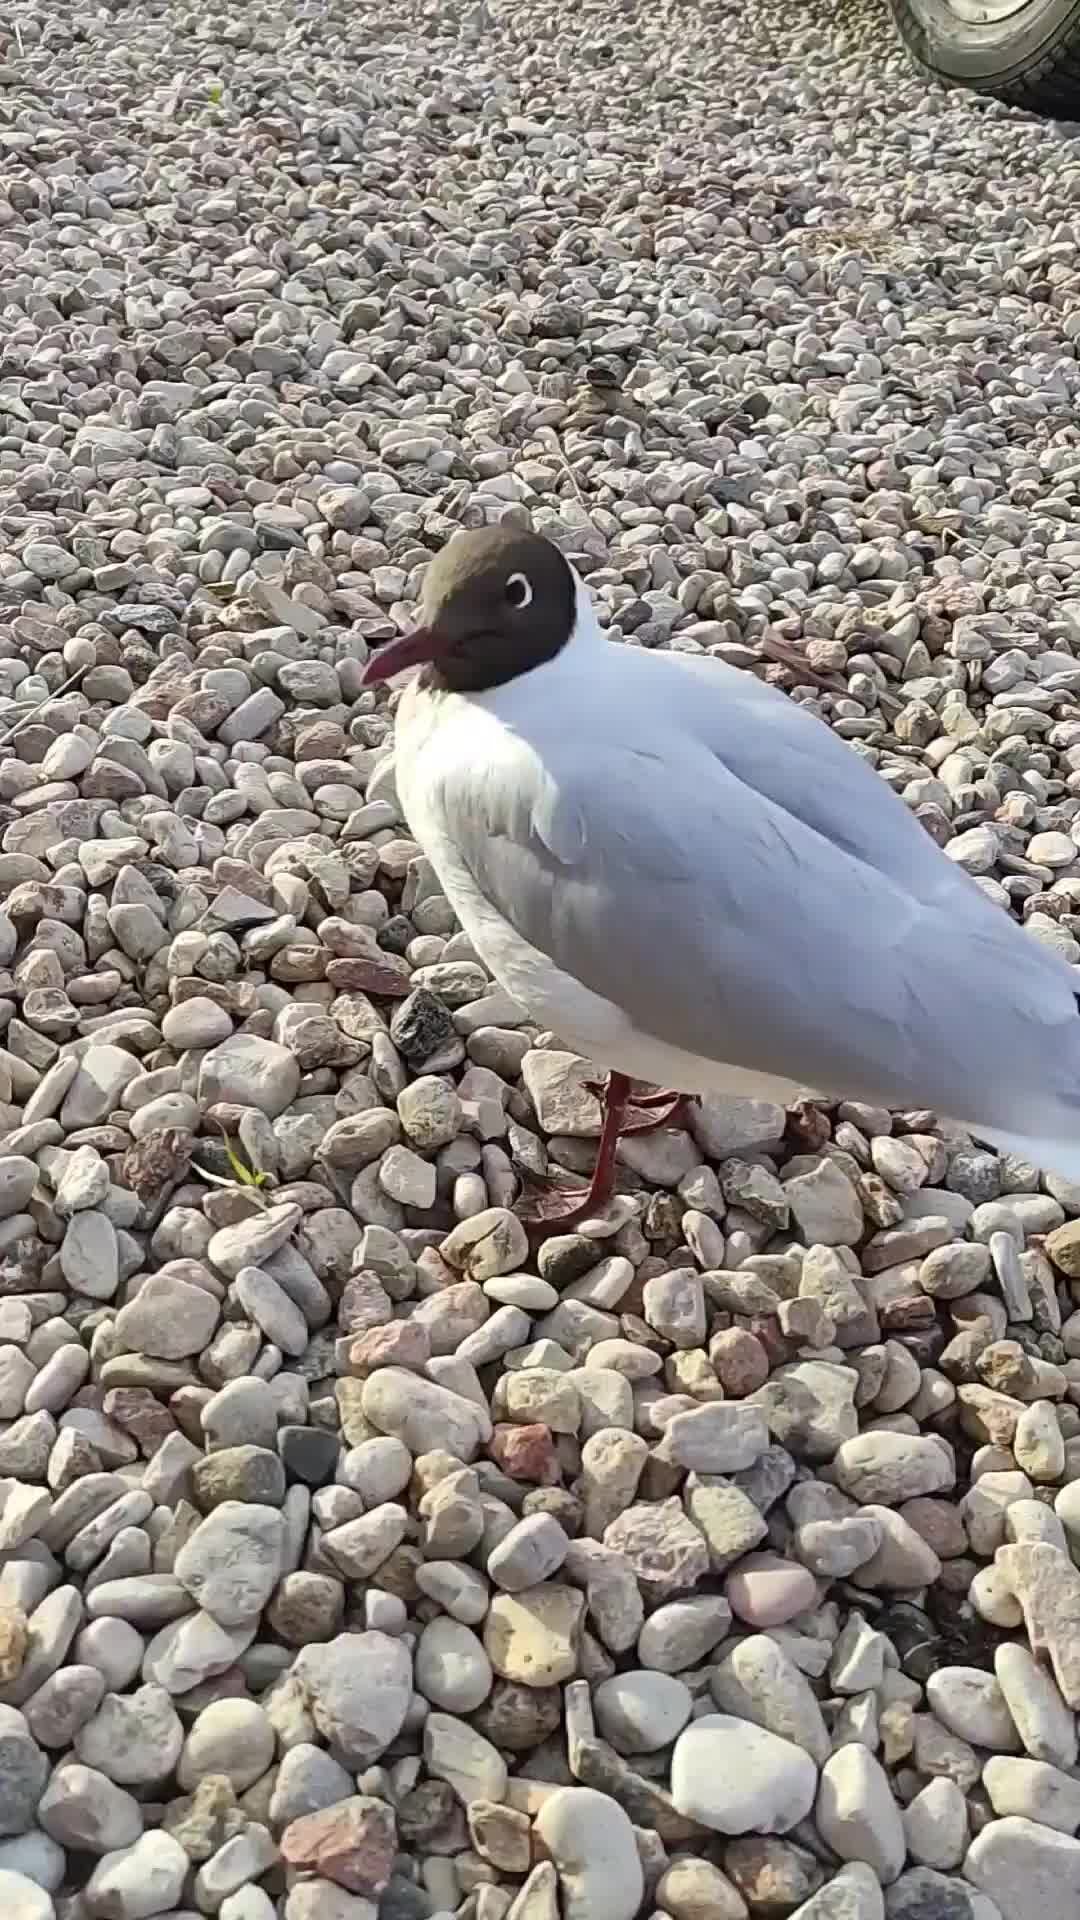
x: 853, y: 1893
x: 452, y: 1669
x: 233, y: 1560
x: 246, y: 1071
x: 716, y: 1438
x: 138, y: 1881
x: 810, y: 1408
x: 591, y: 1841
x: 83, y: 1809
x: 168, y: 1318
x: 1026, y: 1869
x: 758, y: 1682
x: 134, y: 1739
x: 23, y: 1772
x: 357, y: 1688
x: 885, y: 1469
x: 856, y: 1814
x: 641, y: 1711
x: 424, y: 1415
x: 307, y: 1780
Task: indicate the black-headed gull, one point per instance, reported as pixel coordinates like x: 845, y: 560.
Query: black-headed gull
x: 692, y: 882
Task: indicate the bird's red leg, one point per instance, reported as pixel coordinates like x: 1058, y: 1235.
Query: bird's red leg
x: 555, y: 1206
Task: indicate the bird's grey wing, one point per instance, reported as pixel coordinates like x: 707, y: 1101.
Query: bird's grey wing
x: 726, y: 924
x: 789, y: 756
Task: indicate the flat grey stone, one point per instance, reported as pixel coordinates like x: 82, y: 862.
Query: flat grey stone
x: 233, y: 1560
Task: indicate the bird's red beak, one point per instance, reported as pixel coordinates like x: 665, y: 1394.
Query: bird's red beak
x: 414, y: 649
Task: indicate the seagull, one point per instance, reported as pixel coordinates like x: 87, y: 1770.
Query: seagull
x: 691, y: 881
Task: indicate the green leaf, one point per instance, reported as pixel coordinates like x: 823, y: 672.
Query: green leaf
x: 240, y: 1168
x: 247, y: 1176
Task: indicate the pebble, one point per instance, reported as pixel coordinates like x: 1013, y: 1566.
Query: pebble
x: 885, y: 1469
x: 352, y: 1843
x: 592, y: 1844
x: 82, y: 1808
x: 1032, y: 1791
x: 140, y: 1881
x: 759, y: 1681
x: 23, y: 1898
x: 1025, y: 1867
x: 134, y: 1739
x: 452, y: 1669
x: 765, y: 1590
x: 248, y: 1071
x: 694, y: 1889
x: 23, y: 1772
x: 716, y: 1438
x: 971, y: 1704
x: 1044, y: 1723
x: 854, y: 1893
x: 232, y: 1560
x: 736, y: 1778
x: 529, y: 1553
x: 233, y: 1738
x: 856, y: 1814
x: 936, y: 1824
x: 357, y: 1689
x: 641, y: 1711
x: 533, y: 1637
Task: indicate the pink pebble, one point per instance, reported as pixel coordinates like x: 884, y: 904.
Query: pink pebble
x: 765, y: 1589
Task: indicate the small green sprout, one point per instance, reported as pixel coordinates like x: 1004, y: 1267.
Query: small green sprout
x: 253, y: 1179
x: 247, y: 1176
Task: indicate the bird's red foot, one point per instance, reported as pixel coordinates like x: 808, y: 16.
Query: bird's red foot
x: 554, y: 1206
x: 666, y: 1109
x: 658, y: 1110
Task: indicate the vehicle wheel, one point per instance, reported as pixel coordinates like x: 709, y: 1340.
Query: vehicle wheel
x: 1025, y: 51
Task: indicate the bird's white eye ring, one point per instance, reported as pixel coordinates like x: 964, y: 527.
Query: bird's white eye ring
x: 519, y: 591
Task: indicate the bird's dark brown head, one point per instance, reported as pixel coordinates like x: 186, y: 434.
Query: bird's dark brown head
x: 495, y: 603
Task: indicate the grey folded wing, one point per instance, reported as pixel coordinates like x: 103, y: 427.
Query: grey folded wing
x: 771, y: 905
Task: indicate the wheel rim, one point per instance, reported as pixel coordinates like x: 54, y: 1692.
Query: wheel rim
x: 984, y: 13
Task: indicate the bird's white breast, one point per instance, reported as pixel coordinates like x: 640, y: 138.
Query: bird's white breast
x: 442, y: 736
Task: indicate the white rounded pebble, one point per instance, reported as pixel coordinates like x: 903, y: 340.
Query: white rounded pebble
x: 143, y: 1880
x: 452, y: 1669
x: 23, y: 1899
x: 737, y: 1778
x: 856, y: 1814
x: 971, y: 1704
x: 591, y: 1841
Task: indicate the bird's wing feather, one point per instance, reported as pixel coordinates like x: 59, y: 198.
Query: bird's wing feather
x: 752, y: 893
x: 789, y: 756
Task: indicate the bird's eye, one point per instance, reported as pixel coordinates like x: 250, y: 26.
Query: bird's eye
x: 519, y: 591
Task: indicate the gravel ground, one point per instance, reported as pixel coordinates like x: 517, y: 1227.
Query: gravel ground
x: 356, y: 1561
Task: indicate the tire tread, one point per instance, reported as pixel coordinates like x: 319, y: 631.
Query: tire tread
x: 1050, y: 84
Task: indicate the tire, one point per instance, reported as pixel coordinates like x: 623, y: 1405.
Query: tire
x: 1024, y: 51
